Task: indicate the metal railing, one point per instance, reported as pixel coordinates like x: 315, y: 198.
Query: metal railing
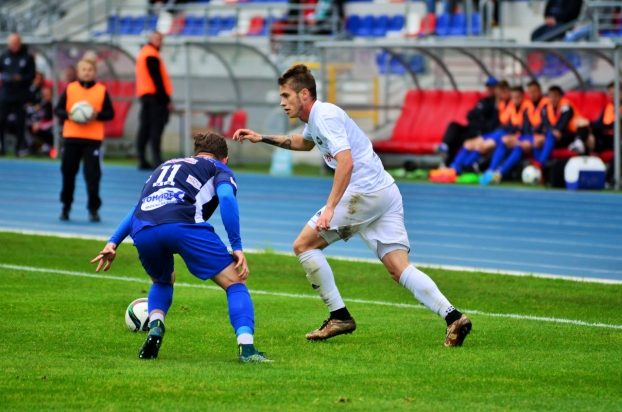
x: 333, y: 52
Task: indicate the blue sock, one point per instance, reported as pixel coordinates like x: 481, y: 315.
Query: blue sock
x: 498, y: 156
x: 515, y: 155
x: 459, y: 160
x: 547, y: 149
x: 241, y: 311
x: 472, y: 158
x: 160, y: 297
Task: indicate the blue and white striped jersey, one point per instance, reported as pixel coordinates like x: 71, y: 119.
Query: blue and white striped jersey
x: 181, y: 191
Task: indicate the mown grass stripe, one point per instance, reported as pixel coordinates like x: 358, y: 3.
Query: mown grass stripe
x: 302, y: 296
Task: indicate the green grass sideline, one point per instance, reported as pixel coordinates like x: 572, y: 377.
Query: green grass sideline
x: 65, y: 346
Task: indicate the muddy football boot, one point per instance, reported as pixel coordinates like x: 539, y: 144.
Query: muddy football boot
x: 331, y: 328
x: 457, y: 331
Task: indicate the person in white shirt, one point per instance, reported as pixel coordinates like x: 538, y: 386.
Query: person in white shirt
x: 364, y: 201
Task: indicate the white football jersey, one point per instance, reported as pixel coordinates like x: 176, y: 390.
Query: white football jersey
x: 333, y: 131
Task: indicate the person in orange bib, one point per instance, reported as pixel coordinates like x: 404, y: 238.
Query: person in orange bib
x: 83, y: 140
x: 558, y: 124
x: 598, y: 135
x: 154, y: 88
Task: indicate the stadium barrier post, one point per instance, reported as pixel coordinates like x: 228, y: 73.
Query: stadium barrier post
x: 55, y: 95
x: 616, y: 125
x: 187, y: 103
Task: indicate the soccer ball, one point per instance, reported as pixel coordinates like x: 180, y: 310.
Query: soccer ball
x: 137, y: 316
x: 531, y: 175
x: 81, y: 112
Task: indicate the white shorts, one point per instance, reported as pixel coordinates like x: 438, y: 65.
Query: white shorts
x: 378, y: 218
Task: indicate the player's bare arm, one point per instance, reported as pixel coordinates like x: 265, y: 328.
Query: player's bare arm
x: 343, y: 174
x: 292, y: 142
x: 106, y: 257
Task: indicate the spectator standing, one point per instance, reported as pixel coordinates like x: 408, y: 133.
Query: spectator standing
x: 42, y: 123
x: 556, y: 14
x: 18, y: 71
x: 70, y: 74
x: 83, y: 141
x: 154, y: 88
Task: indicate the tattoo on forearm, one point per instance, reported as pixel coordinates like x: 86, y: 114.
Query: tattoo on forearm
x: 273, y: 140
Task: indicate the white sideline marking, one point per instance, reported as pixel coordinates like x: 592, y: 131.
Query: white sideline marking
x: 352, y: 259
x: 301, y: 296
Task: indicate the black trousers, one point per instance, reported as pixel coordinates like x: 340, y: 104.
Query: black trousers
x: 75, y: 150
x: 455, y: 136
x: 153, y: 118
x: 18, y: 109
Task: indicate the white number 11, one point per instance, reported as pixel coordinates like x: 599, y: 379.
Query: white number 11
x: 170, y: 181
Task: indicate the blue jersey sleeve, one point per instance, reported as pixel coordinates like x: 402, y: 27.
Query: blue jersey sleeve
x: 123, y: 230
x: 230, y: 214
x: 225, y: 176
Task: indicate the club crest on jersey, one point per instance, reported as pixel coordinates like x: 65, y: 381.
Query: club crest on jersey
x: 162, y: 197
x: 319, y: 141
x: 328, y: 157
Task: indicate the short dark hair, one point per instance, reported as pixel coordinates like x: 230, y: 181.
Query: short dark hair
x: 503, y: 84
x: 518, y: 89
x: 611, y: 85
x: 556, y: 89
x: 299, y: 77
x: 211, y: 142
x: 534, y: 83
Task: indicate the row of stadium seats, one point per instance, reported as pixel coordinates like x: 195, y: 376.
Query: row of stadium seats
x: 427, y: 113
x: 361, y: 26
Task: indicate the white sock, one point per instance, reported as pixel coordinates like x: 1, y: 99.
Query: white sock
x: 156, y: 316
x: 320, y: 275
x: 425, y: 291
x: 245, y: 339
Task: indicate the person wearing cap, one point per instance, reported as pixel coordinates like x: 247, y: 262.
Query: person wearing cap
x: 481, y: 119
x: 154, y: 88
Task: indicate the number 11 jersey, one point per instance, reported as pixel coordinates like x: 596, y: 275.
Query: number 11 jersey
x: 181, y: 191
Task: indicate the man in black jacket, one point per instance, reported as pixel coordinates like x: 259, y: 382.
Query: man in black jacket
x: 481, y: 119
x: 18, y: 71
x: 556, y: 14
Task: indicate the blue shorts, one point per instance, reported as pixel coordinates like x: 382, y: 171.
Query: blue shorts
x: 497, y: 135
x: 197, y: 244
x: 526, y: 138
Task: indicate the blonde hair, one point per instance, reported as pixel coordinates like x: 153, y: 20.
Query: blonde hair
x: 88, y: 60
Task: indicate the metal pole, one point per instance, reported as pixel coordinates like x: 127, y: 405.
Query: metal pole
x: 469, y: 15
x: 188, y: 105
x: 616, y: 125
x: 55, y: 95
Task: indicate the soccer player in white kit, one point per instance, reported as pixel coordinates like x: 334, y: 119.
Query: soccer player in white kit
x: 364, y: 201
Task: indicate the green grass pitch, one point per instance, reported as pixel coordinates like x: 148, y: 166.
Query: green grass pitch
x: 64, y: 344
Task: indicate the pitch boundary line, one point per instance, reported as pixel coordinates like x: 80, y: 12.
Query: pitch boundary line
x: 353, y: 259
x: 302, y: 296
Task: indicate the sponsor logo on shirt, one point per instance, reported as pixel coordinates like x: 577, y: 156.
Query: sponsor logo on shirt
x: 162, y: 197
x: 194, y: 182
x: 319, y: 141
x: 185, y: 159
x: 328, y: 157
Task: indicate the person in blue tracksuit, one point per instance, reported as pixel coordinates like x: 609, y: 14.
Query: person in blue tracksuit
x: 171, y: 218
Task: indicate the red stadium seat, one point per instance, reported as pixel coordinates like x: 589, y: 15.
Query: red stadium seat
x: 114, y: 128
x: 593, y: 104
x: 443, y: 113
x: 238, y: 121
x: 468, y: 101
x: 577, y: 98
x: 607, y: 156
x: 562, y: 154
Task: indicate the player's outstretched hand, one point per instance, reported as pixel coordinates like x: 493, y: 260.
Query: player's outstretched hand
x: 106, y: 257
x: 240, y: 264
x: 323, y: 223
x: 246, y: 134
